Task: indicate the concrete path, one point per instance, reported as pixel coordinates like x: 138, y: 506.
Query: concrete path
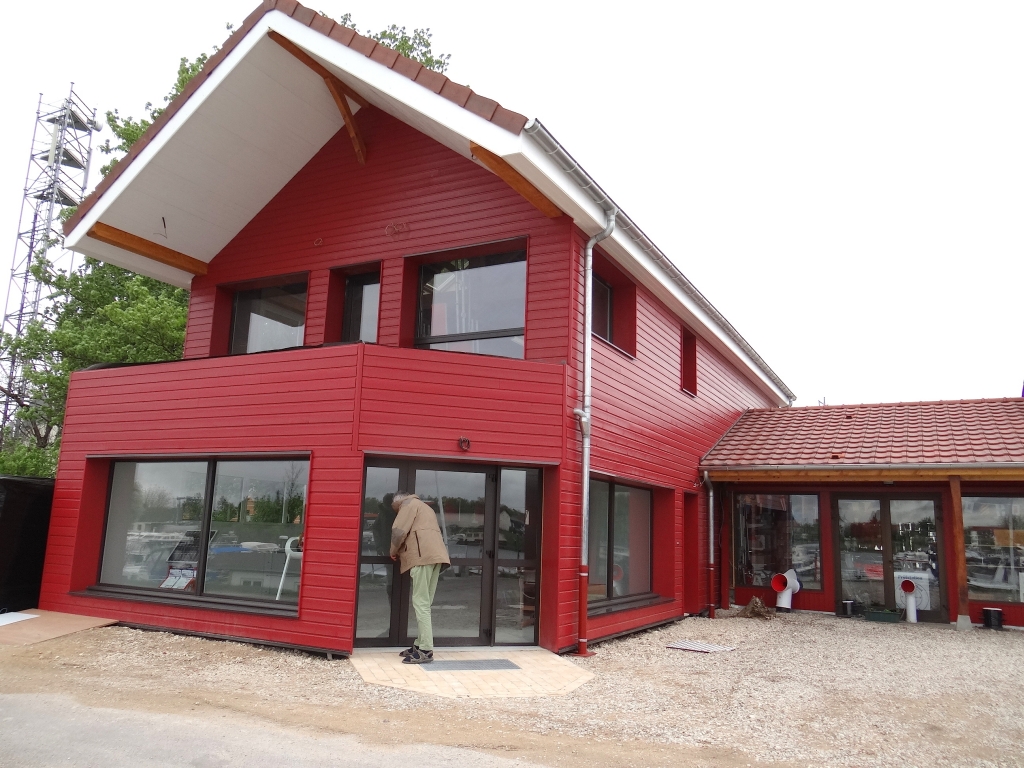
x: 43, y: 730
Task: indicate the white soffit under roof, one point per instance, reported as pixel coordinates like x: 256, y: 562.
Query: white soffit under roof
x: 262, y: 115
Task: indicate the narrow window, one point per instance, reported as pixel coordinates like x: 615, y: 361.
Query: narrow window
x: 165, y: 532
x: 776, y: 532
x: 475, y: 305
x: 362, y: 303
x: 601, y: 322
x: 689, y: 362
x: 619, y: 541
x: 268, y: 318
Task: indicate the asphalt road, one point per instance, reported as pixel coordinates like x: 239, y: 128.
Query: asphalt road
x: 46, y: 730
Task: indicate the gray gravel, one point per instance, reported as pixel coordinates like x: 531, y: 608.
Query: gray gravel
x: 808, y: 689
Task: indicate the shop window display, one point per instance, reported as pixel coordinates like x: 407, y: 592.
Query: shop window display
x: 994, y: 546
x: 776, y: 532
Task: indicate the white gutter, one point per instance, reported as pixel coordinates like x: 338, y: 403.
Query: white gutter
x: 543, y: 138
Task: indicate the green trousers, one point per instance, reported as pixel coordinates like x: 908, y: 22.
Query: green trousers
x: 424, y: 585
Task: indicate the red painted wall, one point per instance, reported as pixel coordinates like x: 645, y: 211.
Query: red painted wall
x: 295, y: 400
x: 647, y: 431
x: 343, y: 402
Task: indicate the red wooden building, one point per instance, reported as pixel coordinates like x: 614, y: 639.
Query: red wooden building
x: 858, y: 498
x: 387, y: 278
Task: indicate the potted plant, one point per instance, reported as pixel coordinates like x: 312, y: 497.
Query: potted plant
x: 881, y: 614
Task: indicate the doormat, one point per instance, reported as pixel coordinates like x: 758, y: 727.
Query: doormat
x: 694, y: 645
x: 10, y: 618
x: 469, y: 665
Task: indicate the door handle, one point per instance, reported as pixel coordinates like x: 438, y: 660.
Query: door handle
x: 490, y: 553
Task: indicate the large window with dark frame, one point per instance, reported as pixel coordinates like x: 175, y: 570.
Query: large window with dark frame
x: 619, y: 541
x: 270, y: 317
x: 227, y: 529
x: 475, y: 305
x: 776, y: 532
x: 994, y: 547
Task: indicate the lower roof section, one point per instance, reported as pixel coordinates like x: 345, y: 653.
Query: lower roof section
x: 973, y: 439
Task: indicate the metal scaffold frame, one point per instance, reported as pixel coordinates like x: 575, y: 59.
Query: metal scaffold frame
x: 56, y: 179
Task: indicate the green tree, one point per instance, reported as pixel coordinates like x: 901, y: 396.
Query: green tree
x: 416, y: 46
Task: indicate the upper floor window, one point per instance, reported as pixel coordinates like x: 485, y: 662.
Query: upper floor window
x: 272, y: 317
x: 601, y: 322
x: 473, y: 305
x: 361, y: 307
x: 688, y: 353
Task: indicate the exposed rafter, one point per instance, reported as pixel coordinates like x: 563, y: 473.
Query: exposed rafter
x: 138, y: 245
x: 339, y: 91
x: 516, y: 180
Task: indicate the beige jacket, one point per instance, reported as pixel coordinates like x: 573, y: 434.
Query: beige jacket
x: 415, y: 536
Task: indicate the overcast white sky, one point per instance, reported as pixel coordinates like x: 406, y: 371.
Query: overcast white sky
x: 844, y: 181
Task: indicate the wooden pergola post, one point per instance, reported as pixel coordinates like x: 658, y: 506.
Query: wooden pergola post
x: 963, y: 619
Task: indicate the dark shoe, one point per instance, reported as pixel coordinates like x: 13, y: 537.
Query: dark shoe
x: 419, y: 657
x: 409, y: 651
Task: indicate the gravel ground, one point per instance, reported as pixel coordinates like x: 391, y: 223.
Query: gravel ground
x: 801, y: 689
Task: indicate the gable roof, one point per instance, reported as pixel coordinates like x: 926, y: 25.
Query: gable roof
x: 189, y: 184
x: 943, y: 434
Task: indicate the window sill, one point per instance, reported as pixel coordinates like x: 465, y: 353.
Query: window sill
x: 620, y: 350
x: 618, y: 604
x: 259, y: 607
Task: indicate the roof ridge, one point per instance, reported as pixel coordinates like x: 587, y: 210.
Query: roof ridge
x: 462, y: 95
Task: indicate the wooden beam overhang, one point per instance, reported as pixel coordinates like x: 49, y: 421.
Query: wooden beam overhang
x: 337, y: 88
x: 516, y: 180
x: 866, y: 475
x: 142, y: 247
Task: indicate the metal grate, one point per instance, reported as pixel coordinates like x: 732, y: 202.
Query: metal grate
x: 470, y: 665
x: 694, y: 645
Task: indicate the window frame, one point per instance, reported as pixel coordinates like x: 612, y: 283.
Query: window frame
x: 425, y: 342
x: 1017, y: 494
x: 198, y: 599
x: 277, y: 281
x: 609, y: 601
x: 688, y: 362
x: 363, y: 278
x: 609, y: 334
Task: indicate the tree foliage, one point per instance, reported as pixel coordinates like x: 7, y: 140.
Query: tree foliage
x: 416, y: 46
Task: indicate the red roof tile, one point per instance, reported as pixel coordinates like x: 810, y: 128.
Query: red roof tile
x: 942, y: 432
x: 434, y: 81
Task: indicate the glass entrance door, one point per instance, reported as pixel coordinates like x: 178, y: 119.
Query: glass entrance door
x: 490, y: 520
x: 882, y: 541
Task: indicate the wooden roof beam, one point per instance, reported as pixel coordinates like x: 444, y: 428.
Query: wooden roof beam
x: 500, y: 168
x: 339, y: 92
x: 141, y: 247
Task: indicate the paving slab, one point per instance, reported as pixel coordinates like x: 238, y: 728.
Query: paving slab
x: 538, y: 673
x: 46, y: 626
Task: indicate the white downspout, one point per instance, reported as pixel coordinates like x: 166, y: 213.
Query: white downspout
x: 583, y: 414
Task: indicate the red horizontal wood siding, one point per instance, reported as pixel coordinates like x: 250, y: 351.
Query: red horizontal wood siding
x: 413, y: 196
x: 336, y: 403
x: 646, y: 430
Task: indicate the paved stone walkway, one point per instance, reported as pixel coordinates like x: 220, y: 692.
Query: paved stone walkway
x: 540, y: 673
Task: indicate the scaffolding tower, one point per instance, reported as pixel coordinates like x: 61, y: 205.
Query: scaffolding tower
x: 58, y: 171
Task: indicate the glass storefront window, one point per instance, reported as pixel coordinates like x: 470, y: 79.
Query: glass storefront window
x: 776, y: 532
x: 154, y: 525
x: 475, y: 305
x: 256, y: 529
x: 269, y: 318
x: 253, y: 525
x: 994, y: 544
x: 619, y: 541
